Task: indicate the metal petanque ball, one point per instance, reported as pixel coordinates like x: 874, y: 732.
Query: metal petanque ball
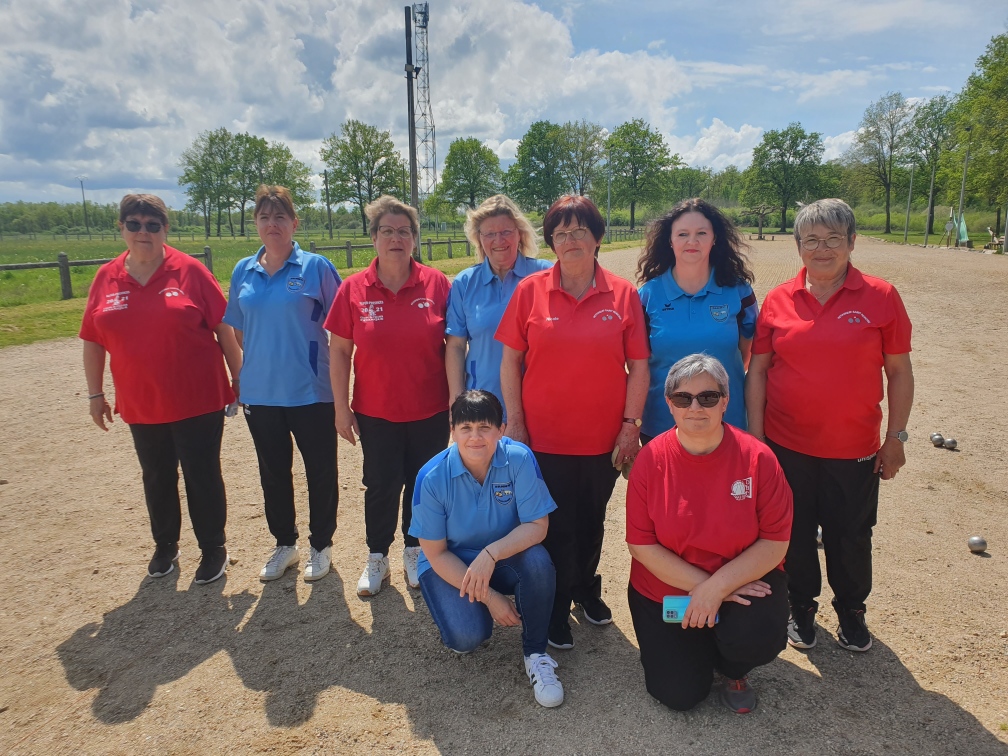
x: 937, y: 439
x: 950, y: 443
x: 977, y: 544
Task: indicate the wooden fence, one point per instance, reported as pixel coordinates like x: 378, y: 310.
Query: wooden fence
x: 428, y: 243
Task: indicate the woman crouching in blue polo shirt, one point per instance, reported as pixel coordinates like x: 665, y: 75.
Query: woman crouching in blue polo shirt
x: 480, y: 512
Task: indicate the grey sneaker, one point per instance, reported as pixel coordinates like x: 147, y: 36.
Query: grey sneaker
x: 410, y: 557
x: 318, y: 564
x: 282, y: 558
x: 738, y: 696
x: 375, y: 575
x: 548, y: 690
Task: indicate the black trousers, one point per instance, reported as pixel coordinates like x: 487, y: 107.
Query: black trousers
x: 393, y: 455
x: 679, y: 663
x: 841, y: 495
x: 313, y: 427
x: 581, y: 487
x: 195, y: 443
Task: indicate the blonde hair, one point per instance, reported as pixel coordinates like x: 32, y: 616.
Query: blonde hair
x: 389, y: 205
x: 492, y: 207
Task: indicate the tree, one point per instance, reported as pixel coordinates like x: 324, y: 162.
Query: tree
x: 536, y: 177
x: 471, y: 173
x: 686, y: 182
x: 882, y: 141
x: 363, y: 164
x: 784, y: 169
x: 250, y: 164
x: 286, y: 170
x: 930, y: 131
x: 208, y: 166
x: 639, y: 159
x: 583, y: 150
x: 726, y: 186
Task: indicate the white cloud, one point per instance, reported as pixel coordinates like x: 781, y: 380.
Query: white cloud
x: 506, y: 150
x: 718, y: 145
x: 808, y: 18
x: 835, y: 146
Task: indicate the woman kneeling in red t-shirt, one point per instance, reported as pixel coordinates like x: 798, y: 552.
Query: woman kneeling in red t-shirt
x: 708, y: 516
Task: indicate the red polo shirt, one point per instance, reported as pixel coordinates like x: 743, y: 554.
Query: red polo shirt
x: 706, y: 509
x: 166, y: 363
x: 399, y: 360
x: 574, y: 387
x: 824, y: 384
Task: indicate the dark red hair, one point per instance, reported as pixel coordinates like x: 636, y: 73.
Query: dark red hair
x: 573, y: 207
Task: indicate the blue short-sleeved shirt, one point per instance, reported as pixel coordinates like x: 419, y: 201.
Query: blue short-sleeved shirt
x: 710, y: 321
x: 286, y: 360
x: 449, y: 504
x: 475, y: 306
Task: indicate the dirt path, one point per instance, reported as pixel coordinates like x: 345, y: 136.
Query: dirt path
x: 99, y: 659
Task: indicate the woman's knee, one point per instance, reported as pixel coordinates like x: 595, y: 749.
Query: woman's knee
x: 465, y: 637
x: 678, y: 697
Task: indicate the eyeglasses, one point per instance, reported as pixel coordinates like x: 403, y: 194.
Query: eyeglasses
x: 831, y: 241
x: 491, y: 235
x: 387, y: 232
x: 133, y: 226
x: 559, y: 237
x: 706, y: 399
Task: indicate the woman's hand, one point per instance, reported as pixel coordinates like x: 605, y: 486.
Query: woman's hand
x: 628, y: 442
x: 502, y: 610
x: 705, y: 602
x: 516, y: 431
x: 100, y: 412
x: 757, y: 589
x: 476, y: 582
x: 890, y: 458
x: 346, y: 423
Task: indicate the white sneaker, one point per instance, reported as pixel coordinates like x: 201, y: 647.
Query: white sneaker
x: 410, y: 555
x: 548, y: 690
x: 318, y: 563
x: 375, y: 576
x: 282, y: 558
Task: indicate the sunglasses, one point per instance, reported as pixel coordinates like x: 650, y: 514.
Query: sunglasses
x: 133, y: 226
x: 706, y: 399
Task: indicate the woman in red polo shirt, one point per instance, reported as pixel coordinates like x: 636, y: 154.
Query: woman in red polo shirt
x: 574, y: 378
x: 709, y: 516
x: 390, y: 319
x: 814, y: 388
x: 157, y: 313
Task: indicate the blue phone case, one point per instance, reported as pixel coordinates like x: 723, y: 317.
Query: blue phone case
x: 674, y: 608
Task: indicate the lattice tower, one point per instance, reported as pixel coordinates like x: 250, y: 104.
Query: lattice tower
x: 427, y: 169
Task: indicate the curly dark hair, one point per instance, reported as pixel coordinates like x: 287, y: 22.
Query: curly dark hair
x: 727, y: 256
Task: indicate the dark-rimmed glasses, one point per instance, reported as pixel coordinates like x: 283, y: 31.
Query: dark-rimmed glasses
x: 152, y: 227
x: 705, y: 399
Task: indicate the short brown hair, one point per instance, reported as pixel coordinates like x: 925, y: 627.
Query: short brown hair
x: 268, y: 196
x: 143, y: 204
x: 573, y: 207
x: 493, y: 207
x: 389, y: 205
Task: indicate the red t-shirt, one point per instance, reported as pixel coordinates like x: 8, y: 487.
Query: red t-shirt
x: 824, y: 384
x: 399, y: 360
x: 166, y: 363
x: 706, y: 509
x: 574, y: 387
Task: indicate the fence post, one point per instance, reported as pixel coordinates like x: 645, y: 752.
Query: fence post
x: 468, y: 248
x: 349, y: 254
x: 311, y: 247
x: 430, y: 251
x: 208, y: 258
x: 449, y: 250
x: 64, y: 271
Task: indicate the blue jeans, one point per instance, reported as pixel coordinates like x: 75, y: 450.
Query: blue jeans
x: 528, y: 576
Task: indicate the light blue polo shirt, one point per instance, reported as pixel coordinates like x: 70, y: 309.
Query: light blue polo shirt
x: 710, y: 321
x: 475, y: 306
x: 286, y: 360
x: 449, y: 504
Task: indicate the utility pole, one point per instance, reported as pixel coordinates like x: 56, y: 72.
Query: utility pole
x: 906, y: 224
x: 962, y: 189
x: 84, y: 203
x: 411, y: 71
x: 325, y: 182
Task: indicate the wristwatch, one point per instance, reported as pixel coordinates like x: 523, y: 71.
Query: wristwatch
x: 636, y: 421
x: 902, y: 435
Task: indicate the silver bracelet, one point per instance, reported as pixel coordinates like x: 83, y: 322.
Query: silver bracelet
x: 95, y: 396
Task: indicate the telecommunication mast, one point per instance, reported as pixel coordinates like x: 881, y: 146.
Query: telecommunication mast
x: 425, y: 118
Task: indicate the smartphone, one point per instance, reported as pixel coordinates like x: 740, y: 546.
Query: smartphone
x: 674, y: 609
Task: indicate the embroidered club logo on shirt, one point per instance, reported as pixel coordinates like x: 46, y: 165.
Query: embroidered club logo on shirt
x: 295, y: 284
x: 172, y: 291
x: 608, y: 315
x: 371, y: 311
x: 503, y: 492
x: 421, y: 303
x: 116, y: 300
x: 742, y: 489
x: 853, y: 316
x: 719, y: 313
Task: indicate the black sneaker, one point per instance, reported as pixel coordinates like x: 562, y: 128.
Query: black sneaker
x: 801, y: 627
x: 596, y: 611
x: 560, y: 636
x: 853, y: 632
x: 738, y: 695
x: 212, y: 565
x: 163, y: 560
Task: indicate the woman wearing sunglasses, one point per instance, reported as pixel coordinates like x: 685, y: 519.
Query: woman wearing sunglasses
x: 697, y: 295
x: 574, y: 378
x: 278, y: 301
x: 823, y: 341
x: 157, y: 313
x: 709, y: 517
x: 506, y: 247
x: 389, y: 320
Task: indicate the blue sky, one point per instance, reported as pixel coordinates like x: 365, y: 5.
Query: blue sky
x: 116, y: 90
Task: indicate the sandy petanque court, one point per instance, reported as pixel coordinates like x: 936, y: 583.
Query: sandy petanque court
x: 98, y: 658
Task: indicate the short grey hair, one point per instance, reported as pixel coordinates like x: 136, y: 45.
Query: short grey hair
x: 492, y: 207
x: 690, y: 367
x: 835, y: 214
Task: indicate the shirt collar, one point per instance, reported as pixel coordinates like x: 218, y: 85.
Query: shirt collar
x: 171, y: 262
x: 521, y: 269
x: 371, y: 275
x: 673, y: 290
x: 296, y: 258
x: 601, y: 277
x: 854, y: 280
x: 456, y: 466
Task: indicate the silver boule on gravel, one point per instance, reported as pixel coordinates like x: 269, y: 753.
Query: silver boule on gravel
x: 937, y: 439
x: 977, y: 544
x: 950, y: 443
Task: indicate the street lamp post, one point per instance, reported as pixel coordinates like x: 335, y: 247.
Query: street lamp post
x: 604, y: 133
x: 962, y: 189
x: 906, y: 224
x: 87, y: 227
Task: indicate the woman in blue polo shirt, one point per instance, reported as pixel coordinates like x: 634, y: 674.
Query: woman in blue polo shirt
x: 278, y: 302
x: 480, y: 512
x: 696, y: 289
x: 506, y: 247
